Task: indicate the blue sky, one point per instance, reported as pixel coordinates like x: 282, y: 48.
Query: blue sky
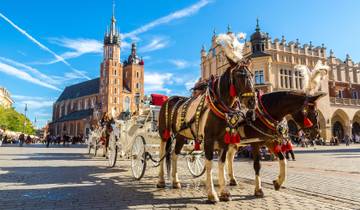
x: 45, y: 46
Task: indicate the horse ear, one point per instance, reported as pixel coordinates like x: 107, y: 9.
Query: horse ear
x: 317, y: 96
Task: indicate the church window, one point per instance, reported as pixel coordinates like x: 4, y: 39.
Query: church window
x: 137, y: 74
x: 115, y: 72
x: 115, y: 91
x: 137, y: 85
x: 114, y: 100
x: 259, y: 77
x: 115, y: 81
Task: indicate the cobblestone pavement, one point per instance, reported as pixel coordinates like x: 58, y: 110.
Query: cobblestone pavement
x: 34, y: 177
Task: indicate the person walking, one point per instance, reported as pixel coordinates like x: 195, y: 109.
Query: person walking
x: 48, y: 139
x: 21, y: 139
x: 347, y: 140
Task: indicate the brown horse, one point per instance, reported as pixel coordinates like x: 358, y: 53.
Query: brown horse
x: 205, y: 118
x: 275, y: 106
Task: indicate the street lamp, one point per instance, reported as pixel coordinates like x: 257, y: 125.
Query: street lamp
x: 137, y: 101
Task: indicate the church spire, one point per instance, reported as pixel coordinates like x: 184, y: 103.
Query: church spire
x: 112, y: 35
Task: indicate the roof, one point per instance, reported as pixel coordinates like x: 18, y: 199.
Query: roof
x: 259, y: 54
x: 86, y: 88
x: 78, y: 115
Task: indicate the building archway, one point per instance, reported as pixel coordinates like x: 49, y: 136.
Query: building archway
x: 340, y: 124
x: 356, y: 124
x: 322, y: 124
x: 338, y: 130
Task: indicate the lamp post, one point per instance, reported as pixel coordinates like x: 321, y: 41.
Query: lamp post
x: 137, y: 101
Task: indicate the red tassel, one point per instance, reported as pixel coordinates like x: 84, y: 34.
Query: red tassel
x: 307, y: 122
x: 227, y: 138
x: 235, y: 138
x: 232, y: 90
x: 277, y: 149
x: 197, y: 146
x: 166, y: 135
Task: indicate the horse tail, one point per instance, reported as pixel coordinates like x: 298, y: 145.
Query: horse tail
x: 168, y: 156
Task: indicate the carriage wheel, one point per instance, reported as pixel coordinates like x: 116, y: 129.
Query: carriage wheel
x: 196, y: 164
x: 112, y: 151
x: 138, y: 157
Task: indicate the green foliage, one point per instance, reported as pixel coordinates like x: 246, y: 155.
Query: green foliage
x: 12, y: 120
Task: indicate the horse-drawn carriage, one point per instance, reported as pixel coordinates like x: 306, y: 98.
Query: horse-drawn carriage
x: 137, y: 138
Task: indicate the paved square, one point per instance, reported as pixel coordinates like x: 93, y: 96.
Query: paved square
x: 34, y: 177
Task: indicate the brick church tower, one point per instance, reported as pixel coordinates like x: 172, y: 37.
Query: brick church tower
x: 121, y: 85
x: 111, y: 71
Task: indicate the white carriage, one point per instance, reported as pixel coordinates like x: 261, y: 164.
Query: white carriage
x: 138, y: 139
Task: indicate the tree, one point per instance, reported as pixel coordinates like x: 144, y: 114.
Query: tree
x: 12, y: 120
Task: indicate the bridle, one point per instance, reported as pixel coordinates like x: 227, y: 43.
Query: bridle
x: 213, y: 92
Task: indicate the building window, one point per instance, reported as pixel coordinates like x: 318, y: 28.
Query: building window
x: 286, y: 78
x: 115, y: 72
x: 137, y: 74
x: 355, y: 95
x: 298, y: 80
x: 137, y: 85
x: 340, y: 94
x: 114, y: 100
x: 115, y: 91
x: 259, y: 77
x: 115, y: 81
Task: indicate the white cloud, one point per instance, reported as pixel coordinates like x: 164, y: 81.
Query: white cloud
x: 13, y: 71
x: 78, y: 46
x: 173, y: 16
x: 35, y: 41
x: 31, y: 38
x: 33, y: 102
x: 156, y: 82
x: 179, y: 63
x: 155, y: 44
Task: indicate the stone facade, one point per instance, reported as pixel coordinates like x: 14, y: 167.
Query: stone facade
x: 120, y: 88
x: 273, y: 62
x: 5, y: 99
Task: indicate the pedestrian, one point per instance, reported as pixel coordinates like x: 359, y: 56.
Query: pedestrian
x: 48, y: 139
x: 347, y: 140
x: 21, y: 139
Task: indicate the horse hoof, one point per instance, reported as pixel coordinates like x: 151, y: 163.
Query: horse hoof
x: 233, y: 182
x: 212, y: 199
x: 160, y: 185
x: 276, y: 185
x: 176, y: 185
x: 225, y: 196
x: 259, y: 193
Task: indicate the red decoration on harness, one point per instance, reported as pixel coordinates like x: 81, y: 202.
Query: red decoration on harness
x: 232, y: 90
x: 197, y: 146
x: 277, y: 149
x: 235, y: 138
x: 227, y: 137
x: 307, y: 122
x: 166, y: 135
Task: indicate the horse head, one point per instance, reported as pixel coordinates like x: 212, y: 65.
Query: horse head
x: 241, y: 78
x: 307, y: 117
